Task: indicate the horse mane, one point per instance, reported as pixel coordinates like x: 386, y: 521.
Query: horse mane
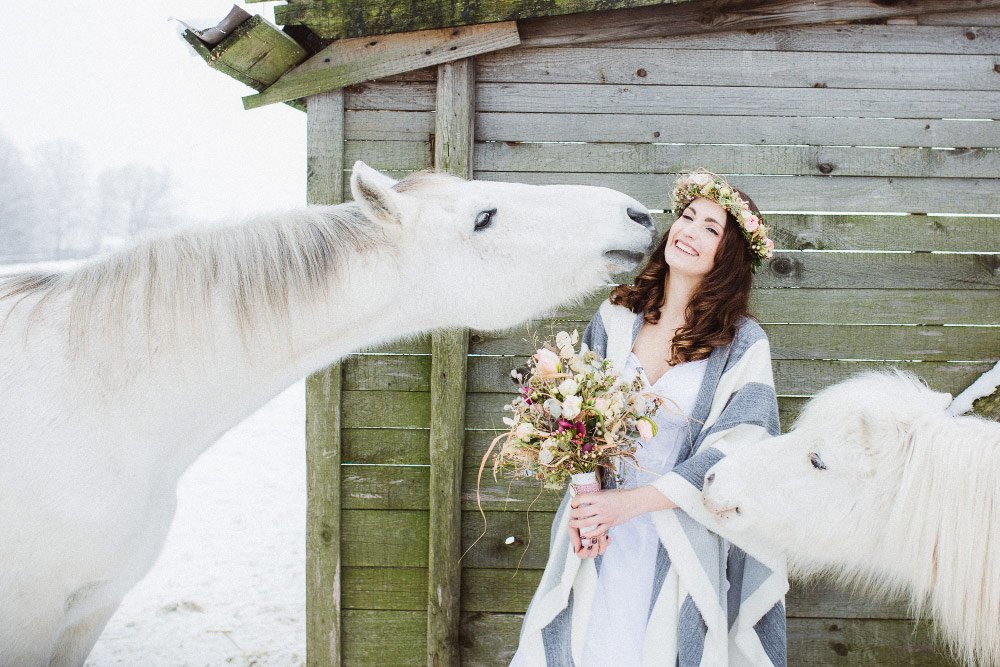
x: 944, y: 516
x: 260, y: 265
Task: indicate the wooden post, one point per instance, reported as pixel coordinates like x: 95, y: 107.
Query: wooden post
x: 453, y: 147
x: 324, y: 185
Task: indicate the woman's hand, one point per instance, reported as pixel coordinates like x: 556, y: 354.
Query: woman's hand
x: 611, y: 507
x: 591, y: 549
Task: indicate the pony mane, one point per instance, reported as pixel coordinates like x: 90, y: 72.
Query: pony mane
x: 944, y: 500
x: 261, y: 265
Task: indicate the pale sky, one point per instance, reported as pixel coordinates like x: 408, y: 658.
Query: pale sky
x: 116, y: 78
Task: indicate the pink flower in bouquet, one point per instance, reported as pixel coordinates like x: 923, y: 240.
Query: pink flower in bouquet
x: 645, y: 428
x: 578, y: 426
x: 546, y: 362
x: 526, y: 393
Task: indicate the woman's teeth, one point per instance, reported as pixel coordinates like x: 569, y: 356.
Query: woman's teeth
x: 685, y: 248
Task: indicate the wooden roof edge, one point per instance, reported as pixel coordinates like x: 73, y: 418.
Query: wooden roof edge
x: 381, y: 17
x: 254, y: 52
x: 354, y: 18
x: 346, y: 62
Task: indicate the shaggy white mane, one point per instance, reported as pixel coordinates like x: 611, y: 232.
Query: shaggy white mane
x: 936, y: 505
x: 263, y: 264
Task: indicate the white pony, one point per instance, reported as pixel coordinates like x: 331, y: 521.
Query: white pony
x: 880, y: 487
x: 117, y: 375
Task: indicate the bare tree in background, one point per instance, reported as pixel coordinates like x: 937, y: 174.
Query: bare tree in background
x: 53, y: 207
x: 136, y: 198
x: 65, y: 199
x: 18, y: 211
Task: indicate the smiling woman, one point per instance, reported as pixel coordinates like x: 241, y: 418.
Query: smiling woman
x: 634, y: 587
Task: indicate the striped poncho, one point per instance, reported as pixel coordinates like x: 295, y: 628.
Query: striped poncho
x: 712, y: 603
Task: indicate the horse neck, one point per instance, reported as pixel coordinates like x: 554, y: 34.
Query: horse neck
x: 169, y: 386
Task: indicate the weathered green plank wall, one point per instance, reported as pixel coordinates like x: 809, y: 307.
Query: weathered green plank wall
x: 908, y: 274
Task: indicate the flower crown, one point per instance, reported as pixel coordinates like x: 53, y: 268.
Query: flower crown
x: 703, y: 183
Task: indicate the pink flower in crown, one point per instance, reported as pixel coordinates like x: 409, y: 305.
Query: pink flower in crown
x: 751, y: 223
x: 770, y: 246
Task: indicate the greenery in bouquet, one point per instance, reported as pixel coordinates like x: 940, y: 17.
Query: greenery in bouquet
x: 574, y: 414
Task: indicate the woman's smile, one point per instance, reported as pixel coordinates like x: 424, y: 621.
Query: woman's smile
x: 685, y: 248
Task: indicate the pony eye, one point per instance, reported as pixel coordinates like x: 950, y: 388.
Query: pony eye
x: 484, y: 219
x: 816, y: 461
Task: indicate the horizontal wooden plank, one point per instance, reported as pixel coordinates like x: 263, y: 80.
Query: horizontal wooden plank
x: 672, y: 159
x: 510, y: 591
x: 734, y: 101
x: 883, y: 232
x: 683, y: 129
x: 386, y: 445
x: 855, y: 306
x: 807, y: 341
x: 398, y: 538
x: 848, y: 194
x: 697, y: 100
x: 488, y: 374
x: 713, y: 67
x: 968, y: 18
x: 390, y: 637
x: 390, y: 155
x: 843, y: 38
x: 716, y: 17
x: 775, y: 160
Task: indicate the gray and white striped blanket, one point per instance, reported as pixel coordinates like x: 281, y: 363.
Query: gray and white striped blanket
x: 713, y: 604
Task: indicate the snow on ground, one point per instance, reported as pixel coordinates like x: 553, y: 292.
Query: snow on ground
x: 229, y: 586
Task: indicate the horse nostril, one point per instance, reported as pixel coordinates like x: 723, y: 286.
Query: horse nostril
x: 709, y: 479
x: 642, y: 218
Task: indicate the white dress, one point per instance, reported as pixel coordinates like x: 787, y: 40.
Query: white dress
x: 616, y: 629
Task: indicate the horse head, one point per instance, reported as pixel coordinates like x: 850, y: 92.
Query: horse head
x: 490, y: 255
x: 816, y: 491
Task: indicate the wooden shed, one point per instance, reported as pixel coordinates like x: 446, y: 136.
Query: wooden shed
x: 867, y: 132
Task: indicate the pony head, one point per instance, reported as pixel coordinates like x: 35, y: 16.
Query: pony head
x: 834, y: 474
x: 490, y: 255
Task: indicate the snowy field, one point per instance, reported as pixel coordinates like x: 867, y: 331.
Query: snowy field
x: 229, y: 586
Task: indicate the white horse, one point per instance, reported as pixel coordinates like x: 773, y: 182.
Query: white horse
x: 878, y: 486
x: 117, y: 375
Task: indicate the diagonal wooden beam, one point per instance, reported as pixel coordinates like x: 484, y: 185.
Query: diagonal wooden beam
x: 350, y: 61
x: 710, y: 16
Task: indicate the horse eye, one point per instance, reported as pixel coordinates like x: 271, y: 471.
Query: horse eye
x: 816, y: 461
x: 484, y: 219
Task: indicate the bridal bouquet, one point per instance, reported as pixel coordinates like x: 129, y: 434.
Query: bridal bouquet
x: 574, y: 417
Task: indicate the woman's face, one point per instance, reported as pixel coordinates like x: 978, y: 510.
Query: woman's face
x: 693, y: 239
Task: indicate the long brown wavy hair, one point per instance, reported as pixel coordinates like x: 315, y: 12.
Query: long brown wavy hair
x: 715, y: 309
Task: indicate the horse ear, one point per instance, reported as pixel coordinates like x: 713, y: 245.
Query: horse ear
x: 373, y: 192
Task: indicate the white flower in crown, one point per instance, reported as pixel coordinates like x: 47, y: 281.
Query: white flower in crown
x: 699, y: 178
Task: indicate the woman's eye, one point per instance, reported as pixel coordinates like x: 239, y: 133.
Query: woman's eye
x: 484, y: 219
x: 816, y: 461
x: 713, y: 230
x: 687, y: 217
